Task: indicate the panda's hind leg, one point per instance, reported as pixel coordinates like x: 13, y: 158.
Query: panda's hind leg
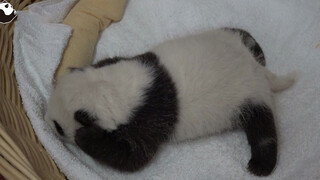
x: 251, y: 44
x: 257, y: 120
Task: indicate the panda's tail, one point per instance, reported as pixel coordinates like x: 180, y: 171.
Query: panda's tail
x: 279, y: 83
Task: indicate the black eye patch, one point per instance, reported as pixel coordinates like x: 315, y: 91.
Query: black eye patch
x: 6, y: 6
x: 84, y: 118
x: 58, y: 128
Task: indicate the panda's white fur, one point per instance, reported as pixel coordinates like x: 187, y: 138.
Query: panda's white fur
x: 213, y: 72
x: 214, y: 75
x: 108, y: 94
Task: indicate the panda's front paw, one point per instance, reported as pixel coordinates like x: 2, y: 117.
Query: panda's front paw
x: 116, y: 149
x: 90, y: 139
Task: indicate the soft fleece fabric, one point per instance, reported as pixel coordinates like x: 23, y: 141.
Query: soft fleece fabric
x: 288, y: 32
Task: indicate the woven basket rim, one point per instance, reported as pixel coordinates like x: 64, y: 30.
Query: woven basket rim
x: 21, y: 154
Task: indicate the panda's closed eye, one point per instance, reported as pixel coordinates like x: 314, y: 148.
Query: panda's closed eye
x: 6, y: 6
x: 58, y: 128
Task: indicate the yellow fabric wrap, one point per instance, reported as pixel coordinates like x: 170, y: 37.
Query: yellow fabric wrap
x: 87, y: 18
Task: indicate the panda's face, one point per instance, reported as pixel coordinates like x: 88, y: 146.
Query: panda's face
x: 7, y: 8
x: 82, y: 99
x: 104, y: 97
x: 60, y: 118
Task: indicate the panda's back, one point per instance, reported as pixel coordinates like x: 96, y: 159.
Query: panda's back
x: 214, y: 73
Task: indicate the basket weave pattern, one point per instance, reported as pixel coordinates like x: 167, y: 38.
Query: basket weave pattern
x: 21, y: 154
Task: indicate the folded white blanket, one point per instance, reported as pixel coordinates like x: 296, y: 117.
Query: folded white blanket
x: 288, y: 32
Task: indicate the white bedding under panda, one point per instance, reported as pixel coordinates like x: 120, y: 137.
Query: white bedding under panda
x: 287, y: 31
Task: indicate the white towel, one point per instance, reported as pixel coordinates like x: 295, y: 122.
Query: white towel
x: 288, y: 32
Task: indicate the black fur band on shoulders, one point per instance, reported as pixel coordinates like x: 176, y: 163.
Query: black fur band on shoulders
x: 131, y: 146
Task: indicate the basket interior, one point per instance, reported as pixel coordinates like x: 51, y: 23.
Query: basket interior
x: 21, y: 154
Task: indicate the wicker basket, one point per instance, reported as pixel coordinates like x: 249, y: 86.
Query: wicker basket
x: 21, y: 154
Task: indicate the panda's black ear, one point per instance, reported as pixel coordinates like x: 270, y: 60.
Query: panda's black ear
x: 84, y: 118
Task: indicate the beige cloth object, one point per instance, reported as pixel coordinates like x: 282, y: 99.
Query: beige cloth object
x: 87, y: 19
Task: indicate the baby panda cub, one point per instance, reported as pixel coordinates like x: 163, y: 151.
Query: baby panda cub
x: 120, y: 110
